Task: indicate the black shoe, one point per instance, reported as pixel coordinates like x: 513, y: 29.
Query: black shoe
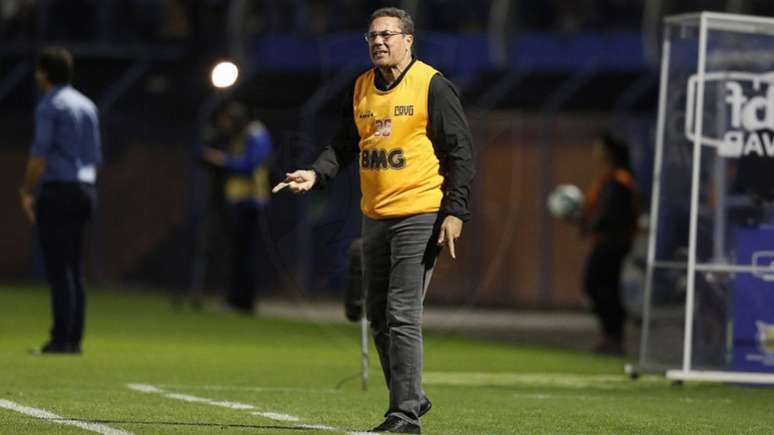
x: 240, y: 309
x: 57, y: 348
x: 610, y: 346
x: 396, y: 425
x: 425, y: 405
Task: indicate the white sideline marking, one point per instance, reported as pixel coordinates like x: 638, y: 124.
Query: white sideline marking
x: 232, y: 405
x: 331, y: 429
x: 690, y: 400
x: 540, y: 396
x: 564, y: 380
x: 195, y: 399
x: 248, y: 388
x: 319, y: 427
x: 277, y: 416
x: 53, y: 418
x: 187, y: 398
x: 144, y: 388
x: 638, y: 396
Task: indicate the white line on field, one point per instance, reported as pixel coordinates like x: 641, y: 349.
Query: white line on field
x: 691, y: 400
x: 541, y: 396
x: 187, y: 398
x: 637, y: 396
x: 195, y: 399
x: 145, y: 388
x: 564, y: 380
x: 331, y: 429
x: 277, y: 416
x: 318, y: 427
x: 232, y: 405
x: 53, y: 418
x: 248, y: 388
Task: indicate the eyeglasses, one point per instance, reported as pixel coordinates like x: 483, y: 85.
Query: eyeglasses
x: 371, y: 36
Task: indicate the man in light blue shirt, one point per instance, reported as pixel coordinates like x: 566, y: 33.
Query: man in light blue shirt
x: 58, y: 193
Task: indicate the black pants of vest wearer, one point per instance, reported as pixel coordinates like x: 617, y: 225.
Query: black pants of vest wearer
x: 398, y: 259
x: 602, y: 283
x: 62, y: 210
x: 244, y: 219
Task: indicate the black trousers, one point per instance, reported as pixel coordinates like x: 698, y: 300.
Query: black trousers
x: 602, y: 283
x: 62, y: 210
x: 244, y: 219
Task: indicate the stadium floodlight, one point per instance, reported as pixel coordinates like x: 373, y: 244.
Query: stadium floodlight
x: 224, y: 74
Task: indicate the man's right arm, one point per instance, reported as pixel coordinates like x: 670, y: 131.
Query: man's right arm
x: 343, y: 149
x: 36, y: 165
x: 41, y: 145
x: 44, y: 131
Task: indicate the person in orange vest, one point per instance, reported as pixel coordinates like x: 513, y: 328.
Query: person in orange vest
x: 610, y: 219
x: 404, y: 125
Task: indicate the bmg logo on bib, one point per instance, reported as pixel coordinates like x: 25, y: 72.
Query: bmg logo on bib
x: 380, y: 158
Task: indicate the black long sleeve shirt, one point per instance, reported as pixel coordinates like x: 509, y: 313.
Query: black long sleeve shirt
x: 616, y: 215
x: 447, y: 129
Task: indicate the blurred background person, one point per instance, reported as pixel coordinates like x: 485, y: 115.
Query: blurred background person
x: 242, y: 156
x: 610, y: 219
x: 58, y: 193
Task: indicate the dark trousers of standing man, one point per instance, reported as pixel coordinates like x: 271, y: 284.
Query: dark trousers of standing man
x: 62, y: 210
x: 244, y: 220
x: 398, y: 259
x: 602, y: 283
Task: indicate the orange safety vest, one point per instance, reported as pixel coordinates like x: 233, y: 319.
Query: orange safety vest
x: 399, y: 171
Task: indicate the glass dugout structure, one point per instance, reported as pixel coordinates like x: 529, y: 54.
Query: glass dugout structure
x: 709, y: 292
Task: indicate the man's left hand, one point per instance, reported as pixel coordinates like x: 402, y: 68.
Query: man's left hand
x: 451, y: 228
x: 28, y: 205
x: 214, y: 156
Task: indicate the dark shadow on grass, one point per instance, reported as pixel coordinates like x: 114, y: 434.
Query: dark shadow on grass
x: 184, y: 423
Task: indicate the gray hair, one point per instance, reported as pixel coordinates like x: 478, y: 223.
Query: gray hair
x: 406, y: 22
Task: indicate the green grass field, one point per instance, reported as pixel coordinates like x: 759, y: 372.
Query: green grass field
x: 208, y: 365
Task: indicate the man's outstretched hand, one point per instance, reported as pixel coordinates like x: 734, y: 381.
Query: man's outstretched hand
x: 451, y: 228
x: 28, y: 205
x: 300, y: 181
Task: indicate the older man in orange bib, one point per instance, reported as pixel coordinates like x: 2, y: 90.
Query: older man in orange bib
x: 404, y: 123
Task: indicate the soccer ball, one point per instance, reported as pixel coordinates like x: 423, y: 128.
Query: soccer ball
x: 565, y: 201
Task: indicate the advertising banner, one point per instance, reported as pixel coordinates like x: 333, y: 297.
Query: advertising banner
x: 754, y: 302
